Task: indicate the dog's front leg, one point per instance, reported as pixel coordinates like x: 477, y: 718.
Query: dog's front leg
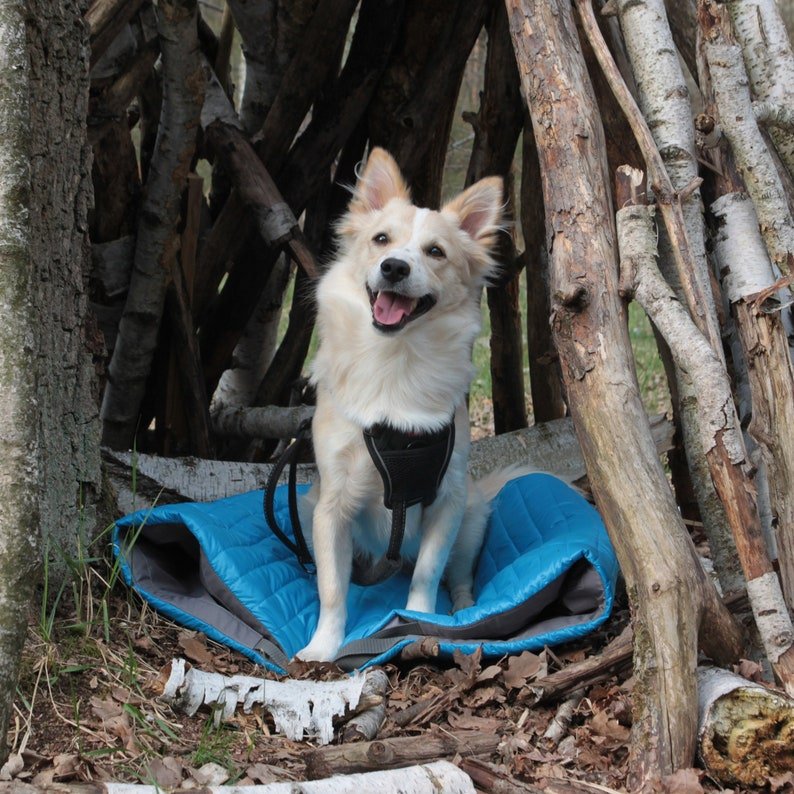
x: 440, y: 526
x: 333, y: 553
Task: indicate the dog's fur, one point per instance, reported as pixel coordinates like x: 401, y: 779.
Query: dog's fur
x: 377, y: 364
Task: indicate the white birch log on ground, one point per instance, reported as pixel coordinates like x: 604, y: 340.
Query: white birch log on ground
x: 298, y: 707
x: 668, y: 590
x: 550, y: 446
x: 745, y: 730
x: 746, y: 272
x: 439, y: 777
x: 157, y: 240
x: 20, y: 541
x: 758, y: 170
x: 664, y: 99
x: 769, y: 59
x: 721, y: 440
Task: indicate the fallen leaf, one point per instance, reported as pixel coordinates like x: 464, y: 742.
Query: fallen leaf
x: 482, y: 724
x: 784, y: 782
x: 105, y: 709
x: 522, y: 668
x: 12, y: 767
x: 266, y: 773
x: 166, y: 772
x: 487, y: 694
x: 195, y: 647
x: 683, y: 781
x: 608, y: 727
x: 749, y: 670
x: 490, y: 673
x: 211, y: 774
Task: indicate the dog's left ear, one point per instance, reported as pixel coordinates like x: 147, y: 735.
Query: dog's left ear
x: 379, y: 183
x: 479, y: 208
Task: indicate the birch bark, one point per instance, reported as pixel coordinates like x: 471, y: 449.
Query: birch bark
x: 19, y: 520
x: 769, y: 59
x: 721, y: 437
x: 758, y: 170
x: 667, y: 589
x: 665, y: 103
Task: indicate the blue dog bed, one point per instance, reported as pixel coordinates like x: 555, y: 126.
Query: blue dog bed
x: 546, y: 575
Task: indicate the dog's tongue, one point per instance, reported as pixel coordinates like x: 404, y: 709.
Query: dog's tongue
x: 389, y: 307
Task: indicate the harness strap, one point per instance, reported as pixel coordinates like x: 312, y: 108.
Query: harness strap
x: 411, y: 467
x: 290, y: 455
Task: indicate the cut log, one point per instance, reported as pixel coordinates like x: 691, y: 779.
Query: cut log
x: 664, y: 99
x: 402, y: 751
x: 737, y: 120
x: 746, y: 273
x: 105, y: 19
x: 745, y: 730
x: 365, y: 724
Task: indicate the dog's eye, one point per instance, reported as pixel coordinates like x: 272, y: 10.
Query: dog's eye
x: 381, y: 239
x: 436, y: 252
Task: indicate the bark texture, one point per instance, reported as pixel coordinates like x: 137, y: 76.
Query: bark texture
x: 68, y: 344
x: 157, y: 242
x: 19, y: 431
x: 589, y: 326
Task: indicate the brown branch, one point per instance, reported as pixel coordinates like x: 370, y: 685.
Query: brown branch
x: 155, y: 250
x: 391, y: 753
x: 496, y: 130
x: 105, y: 20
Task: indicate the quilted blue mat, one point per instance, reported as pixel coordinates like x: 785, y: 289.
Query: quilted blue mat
x: 546, y: 575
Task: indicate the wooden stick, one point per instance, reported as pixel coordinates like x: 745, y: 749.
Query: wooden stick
x: 497, y: 126
x: 398, y: 752
x: 105, y: 19
x: 155, y: 244
x: 721, y: 440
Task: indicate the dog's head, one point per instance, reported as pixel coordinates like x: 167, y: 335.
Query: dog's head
x: 415, y: 262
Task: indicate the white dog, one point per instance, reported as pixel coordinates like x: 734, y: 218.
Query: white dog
x: 398, y: 313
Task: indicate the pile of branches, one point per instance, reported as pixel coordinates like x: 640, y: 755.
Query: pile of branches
x: 657, y: 111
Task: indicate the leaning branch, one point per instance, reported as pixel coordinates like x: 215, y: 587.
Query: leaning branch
x: 157, y: 240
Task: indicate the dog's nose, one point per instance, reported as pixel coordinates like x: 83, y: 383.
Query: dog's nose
x: 394, y: 270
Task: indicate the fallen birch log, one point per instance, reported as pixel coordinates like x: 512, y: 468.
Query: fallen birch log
x: 440, y: 777
x: 745, y: 731
x: 549, y: 446
x: 365, y: 724
x: 297, y: 707
x: 403, y: 751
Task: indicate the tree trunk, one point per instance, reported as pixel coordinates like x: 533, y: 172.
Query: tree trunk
x: 19, y: 428
x: 67, y: 341
x: 589, y: 327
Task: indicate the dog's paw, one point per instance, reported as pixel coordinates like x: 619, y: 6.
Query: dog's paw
x: 320, y: 649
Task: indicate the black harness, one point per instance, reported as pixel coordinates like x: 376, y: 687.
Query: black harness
x: 411, y: 466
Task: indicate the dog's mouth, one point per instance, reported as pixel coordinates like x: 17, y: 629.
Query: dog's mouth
x: 391, y: 311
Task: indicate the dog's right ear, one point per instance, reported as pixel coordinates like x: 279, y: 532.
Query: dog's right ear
x: 380, y: 181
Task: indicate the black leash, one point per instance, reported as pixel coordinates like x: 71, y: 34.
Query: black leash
x: 290, y: 456
x: 411, y: 466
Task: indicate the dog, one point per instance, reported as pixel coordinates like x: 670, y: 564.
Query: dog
x: 397, y: 314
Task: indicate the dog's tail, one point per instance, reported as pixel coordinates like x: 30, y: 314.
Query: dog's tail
x: 490, y: 485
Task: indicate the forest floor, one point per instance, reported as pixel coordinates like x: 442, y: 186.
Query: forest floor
x: 88, y: 706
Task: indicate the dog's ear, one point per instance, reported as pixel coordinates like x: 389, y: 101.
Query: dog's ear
x: 479, y: 209
x: 379, y: 182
